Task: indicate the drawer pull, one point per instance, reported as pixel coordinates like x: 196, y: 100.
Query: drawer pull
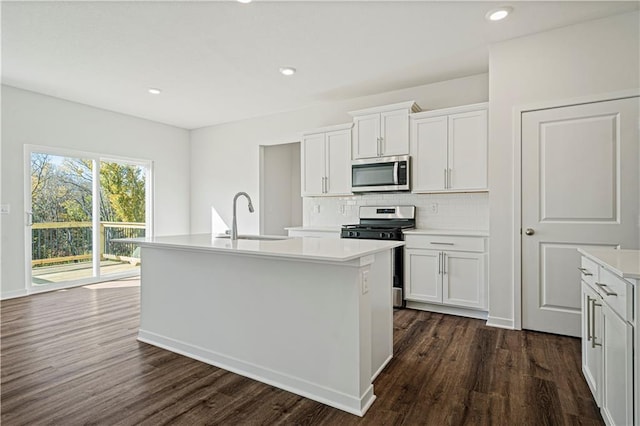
x: 585, y: 272
x: 593, y: 323
x: 588, y: 318
x: 606, y: 290
x: 441, y: 244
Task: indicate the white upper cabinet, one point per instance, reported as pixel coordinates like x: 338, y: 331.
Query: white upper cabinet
x: 326, y: 161
x: 382, y: 131
x: 313, y: 164
x: 449, y: 149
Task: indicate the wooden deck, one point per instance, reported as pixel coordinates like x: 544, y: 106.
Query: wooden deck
x: 72, y: 358
x: 76, y: 271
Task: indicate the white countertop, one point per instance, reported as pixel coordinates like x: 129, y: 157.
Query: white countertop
x: 624, y: 263
x: 315, y: 228
x: 453, y: 232
x: 324, y: 249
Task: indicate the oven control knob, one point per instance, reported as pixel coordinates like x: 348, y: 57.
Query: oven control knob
x: 352, y: 234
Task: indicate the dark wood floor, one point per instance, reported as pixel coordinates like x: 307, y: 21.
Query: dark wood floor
x: 71, y: 357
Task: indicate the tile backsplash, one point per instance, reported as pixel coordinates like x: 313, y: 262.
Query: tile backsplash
x: 435, y: 211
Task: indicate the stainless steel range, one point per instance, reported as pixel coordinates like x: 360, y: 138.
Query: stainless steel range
x: 385, y: 223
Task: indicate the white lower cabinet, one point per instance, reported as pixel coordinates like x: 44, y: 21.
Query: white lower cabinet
x: 617, y: 372
x: 608, y: 347
x: 422, y: 274
x: 592, y: 343
x: 451, y: 277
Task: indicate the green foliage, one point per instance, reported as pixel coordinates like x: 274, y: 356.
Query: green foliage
x: 62, y: 190
x: 124, y: 188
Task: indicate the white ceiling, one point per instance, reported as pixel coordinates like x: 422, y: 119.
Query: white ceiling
x: 218, y: 61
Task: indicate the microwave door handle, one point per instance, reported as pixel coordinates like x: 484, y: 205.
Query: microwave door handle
x: 395, y: 172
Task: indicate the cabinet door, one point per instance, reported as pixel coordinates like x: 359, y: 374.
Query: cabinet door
x: 592, y: 350
x: 468, y: 151
x: 463, y: 282
x: 313, y: 164
x: 394, y: 130
x: 422, y: 275
x: 339, y: 162
x: 429, y: 153
x: 366, y: 131
x: 617, y: 374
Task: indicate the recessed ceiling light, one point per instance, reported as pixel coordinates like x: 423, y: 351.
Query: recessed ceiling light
x: 499, y: 14
x: 244, y: 1
x: 155, y: 91
x: 287, y: 71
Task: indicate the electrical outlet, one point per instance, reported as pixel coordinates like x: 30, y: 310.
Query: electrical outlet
x: 343, y: 209
x: 364, y: 279
x: 433, y: 208
x: 5, y: 208
x: 316, y: 208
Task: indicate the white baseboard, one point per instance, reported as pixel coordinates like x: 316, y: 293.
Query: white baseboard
x: 316, y: 392
x: 384, y: 364
x: 500, y: 322
x: 450, y: 310
x: 13, y: 294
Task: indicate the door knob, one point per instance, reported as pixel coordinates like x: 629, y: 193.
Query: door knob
x: 529, y: 231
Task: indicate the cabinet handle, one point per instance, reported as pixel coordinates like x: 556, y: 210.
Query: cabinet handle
x: 593, y: 324
x: 444, y: 263
x: 326, y: 184
x: 439, y: 243
x: 589, y: 317
x: 606, y: 290
x: 381, y: 145
x: 449, y: 178
x: 445, y: 178
x: 585, y: 272
x: 439, y: 263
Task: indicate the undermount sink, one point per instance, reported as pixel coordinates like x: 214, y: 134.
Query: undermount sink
x: 255, y: 237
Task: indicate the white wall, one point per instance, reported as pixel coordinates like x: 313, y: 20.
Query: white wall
x: 586, y: 59
x: 32, y: 118
x: 225, y: 158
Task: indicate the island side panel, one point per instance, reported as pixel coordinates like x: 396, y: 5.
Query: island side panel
x: 302, y: 326
x: 381, y: 287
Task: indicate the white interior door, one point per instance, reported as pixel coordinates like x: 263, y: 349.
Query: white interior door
x: 579, y: 189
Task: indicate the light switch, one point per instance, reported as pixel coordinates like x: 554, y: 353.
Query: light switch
x: 5, y: 208
x: 433, y: 208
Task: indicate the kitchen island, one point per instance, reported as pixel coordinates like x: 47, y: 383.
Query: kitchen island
x: 309, y: 315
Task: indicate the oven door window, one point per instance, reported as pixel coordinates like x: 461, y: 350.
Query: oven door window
x: 381, y: 174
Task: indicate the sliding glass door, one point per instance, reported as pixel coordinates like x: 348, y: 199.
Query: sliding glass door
x: 77, y: 205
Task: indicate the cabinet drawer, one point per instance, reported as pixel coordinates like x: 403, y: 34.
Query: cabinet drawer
x: 444, y: 242
x: 589, y: 271
x: 620, y: 294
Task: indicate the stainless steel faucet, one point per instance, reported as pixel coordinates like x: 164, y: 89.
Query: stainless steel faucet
x: 234, y: 225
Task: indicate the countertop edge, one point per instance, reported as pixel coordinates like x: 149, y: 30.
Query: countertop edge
x: 615, y: 270
x: 449, y: 232
x: 256, y: 253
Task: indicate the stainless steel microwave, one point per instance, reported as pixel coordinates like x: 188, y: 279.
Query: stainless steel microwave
x: 380, y: 174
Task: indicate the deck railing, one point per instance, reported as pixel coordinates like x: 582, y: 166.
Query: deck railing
x: 63, y: 242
